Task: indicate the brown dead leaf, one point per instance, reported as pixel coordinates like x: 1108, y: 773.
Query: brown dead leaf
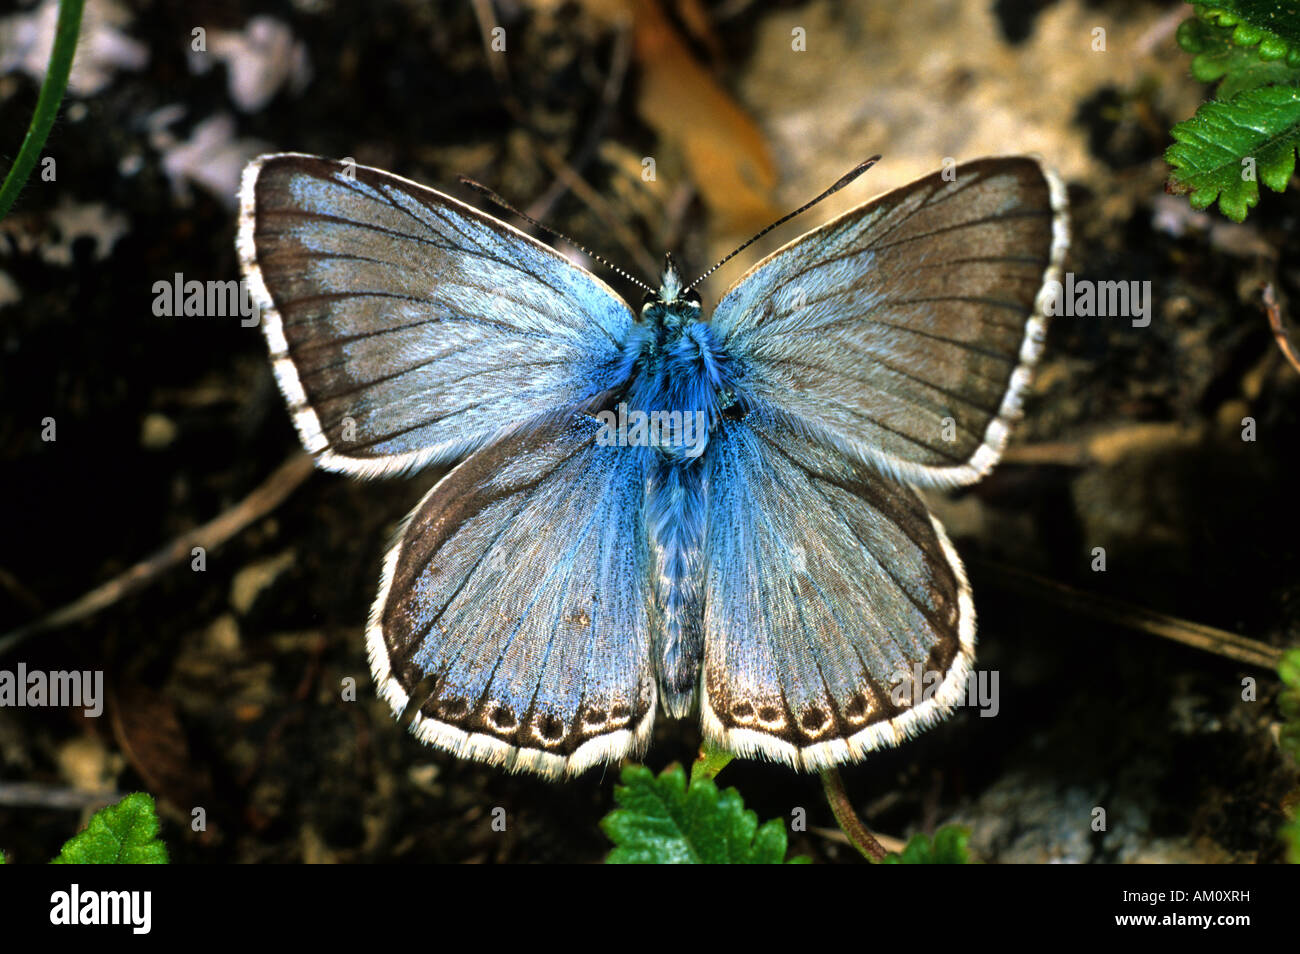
x: 151, y: 737
x: 726, y: 154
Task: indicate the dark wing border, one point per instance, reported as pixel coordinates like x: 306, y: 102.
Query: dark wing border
x: 996, y: 432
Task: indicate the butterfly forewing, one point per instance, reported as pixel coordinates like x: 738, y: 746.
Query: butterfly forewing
x: 904, y: 331
x: 830, y: 592
x: 406, y: 327
x: 513, y: 610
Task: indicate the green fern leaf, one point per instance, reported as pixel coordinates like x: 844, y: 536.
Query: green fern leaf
x: 1217, y: 58
x: 1211, y: 150
x: 1272, y: 25
x: 122, y: 834
x: 948, y: 847
x: 663, y: 821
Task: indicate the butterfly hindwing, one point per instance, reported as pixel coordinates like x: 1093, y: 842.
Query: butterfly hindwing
x: 513, y: 608
x: 904, y: 331
x: 829, y: 593
x: 406, y: 327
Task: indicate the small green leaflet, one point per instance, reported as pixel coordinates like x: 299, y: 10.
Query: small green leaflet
x: 947, y: 848
x: 663, y: 821
x: 1250, y: 132
x: 1218, y: 57
x: 125, y: 834
x: 1209, y: 149
x: 1273, y: 24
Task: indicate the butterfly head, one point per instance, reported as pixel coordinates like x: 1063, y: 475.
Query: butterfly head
x: 672, y: 297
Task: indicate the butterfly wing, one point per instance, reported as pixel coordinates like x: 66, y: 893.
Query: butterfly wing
x: 513, y: 608
x: 407, y: 328
x: 827, y: 586
x: 904, y: 331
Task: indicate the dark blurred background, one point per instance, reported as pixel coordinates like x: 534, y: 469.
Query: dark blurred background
x: 224, y: 687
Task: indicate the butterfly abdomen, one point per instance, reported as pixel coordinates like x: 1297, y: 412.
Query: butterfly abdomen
x: 682, y: 381
x: 675, y: 520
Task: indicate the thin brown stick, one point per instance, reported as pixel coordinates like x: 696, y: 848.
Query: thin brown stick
x: 1198, y: 636
x: 888, y: 842
x: 36, y: 795
x: 620, y: 57
x: 1274, y: 312
x: 210, y: 535
x: 559, y: 167
x: 848, y: 819
x: 596, y: 202
x: 487, y: 22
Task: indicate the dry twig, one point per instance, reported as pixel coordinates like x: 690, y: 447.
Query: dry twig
x: 210, y: 535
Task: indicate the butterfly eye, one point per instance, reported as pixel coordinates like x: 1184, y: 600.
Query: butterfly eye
x: 691, y: 297
x: 731, y: 409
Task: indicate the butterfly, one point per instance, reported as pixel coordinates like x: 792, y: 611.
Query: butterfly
x: 574, y: 574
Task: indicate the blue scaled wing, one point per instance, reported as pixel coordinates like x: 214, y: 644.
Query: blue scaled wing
x: 904, y: 332
x: 512, y: 617
x: 407, y: 328
x: 837, y: 618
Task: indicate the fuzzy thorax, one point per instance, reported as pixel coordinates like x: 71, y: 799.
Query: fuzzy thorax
x: 678, y: 373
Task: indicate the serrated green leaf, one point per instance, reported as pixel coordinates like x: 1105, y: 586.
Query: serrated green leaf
x: 1262, y: 124
x: 663, y: 821
x: 1262, y: 19
x: 918, y: 851
x: 125, y: 833
x: 948, y: 847
x: 1219, y: 58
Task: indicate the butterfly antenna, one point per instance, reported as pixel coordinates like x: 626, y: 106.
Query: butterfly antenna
x: 839, y: 184
x: 497, y: 200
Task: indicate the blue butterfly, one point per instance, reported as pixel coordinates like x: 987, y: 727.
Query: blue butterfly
x: 579, y: 570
